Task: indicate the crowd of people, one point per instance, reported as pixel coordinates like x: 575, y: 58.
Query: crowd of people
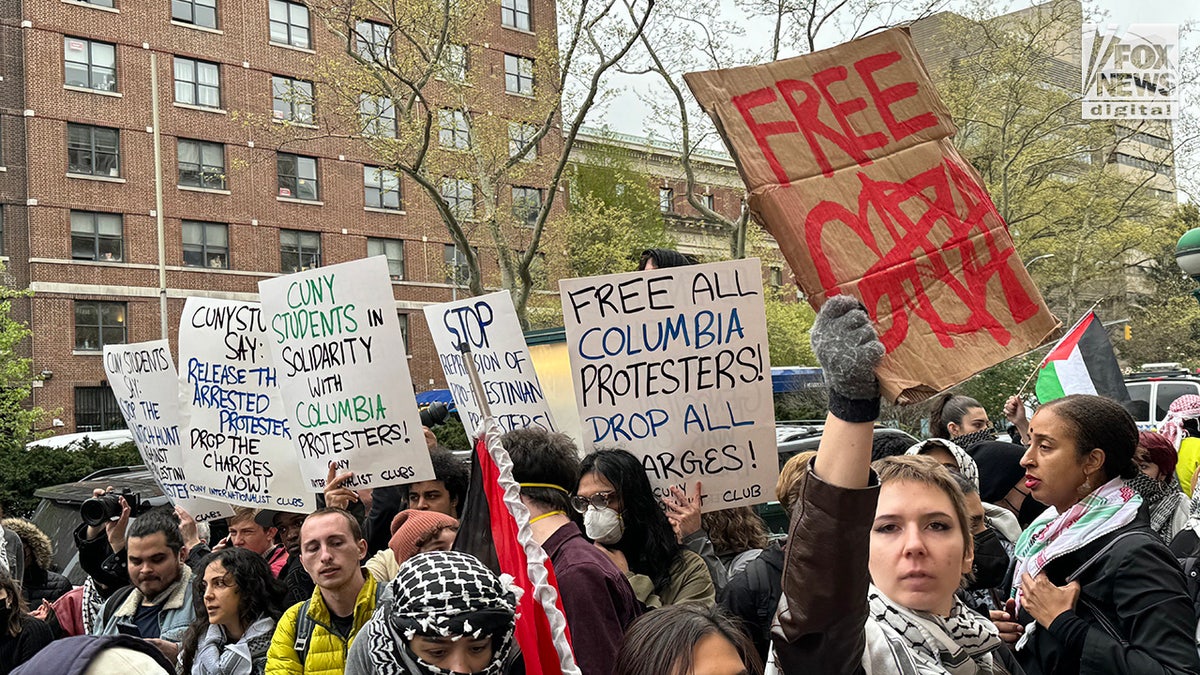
x: 1061, y: 552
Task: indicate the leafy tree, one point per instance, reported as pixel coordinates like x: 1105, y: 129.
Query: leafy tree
x: 404, y: 88
x: 788, y: 324
x: 17, y: 418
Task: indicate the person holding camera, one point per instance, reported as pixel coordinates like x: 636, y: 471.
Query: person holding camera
x: 157, y: 605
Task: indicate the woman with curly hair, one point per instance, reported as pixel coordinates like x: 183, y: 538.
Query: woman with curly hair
x: 621, y: 514
x: 237, y: 602
x: 738, y: 535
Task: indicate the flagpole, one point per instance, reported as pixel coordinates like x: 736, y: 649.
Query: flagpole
x: 1039, y: 365
x: 544, y: 592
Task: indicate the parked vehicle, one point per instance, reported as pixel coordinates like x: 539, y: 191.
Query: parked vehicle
x: 1154, y: 388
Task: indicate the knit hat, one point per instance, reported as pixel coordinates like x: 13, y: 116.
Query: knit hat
x: 410, y: 527
x: 999, y: 466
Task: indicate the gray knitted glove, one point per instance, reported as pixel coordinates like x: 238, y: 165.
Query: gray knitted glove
x: 845, y: 343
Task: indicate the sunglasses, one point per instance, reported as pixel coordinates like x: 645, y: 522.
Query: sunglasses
x: 598, y: 500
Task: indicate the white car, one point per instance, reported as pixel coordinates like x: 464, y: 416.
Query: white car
x: 74, y: 441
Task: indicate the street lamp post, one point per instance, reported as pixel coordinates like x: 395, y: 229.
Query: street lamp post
x: 1187, y: 256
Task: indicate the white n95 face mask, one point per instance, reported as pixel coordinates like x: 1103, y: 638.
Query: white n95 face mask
x: 603, y: 525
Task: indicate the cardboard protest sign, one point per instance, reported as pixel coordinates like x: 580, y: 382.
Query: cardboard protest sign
x: 672, y: 365
x: 239, y: 439
x: 145, y: 384
x: 847, y: 156
x: 488, y: 325
x: 343, y: 373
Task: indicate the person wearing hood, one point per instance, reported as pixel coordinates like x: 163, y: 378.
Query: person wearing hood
x: 40, y: 582
x: 1180, y: 426
x: 444, y: 613
x: 1009, y: 506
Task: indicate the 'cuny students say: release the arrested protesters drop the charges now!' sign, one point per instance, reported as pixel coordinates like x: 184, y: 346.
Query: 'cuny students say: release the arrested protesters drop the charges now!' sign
x: 672, y: 365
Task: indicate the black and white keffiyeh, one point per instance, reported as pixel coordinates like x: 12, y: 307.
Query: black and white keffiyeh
x: 1162, y: 498
x: 441, y: 594
x: 959, y: 644
x: 967, y: 440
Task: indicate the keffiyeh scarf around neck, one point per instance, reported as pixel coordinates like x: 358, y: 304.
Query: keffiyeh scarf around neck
x: 959, y: 644
x: 1162, y: 498
x: 967, y: 440
x: 1053, y: 535
x: 441, y: 594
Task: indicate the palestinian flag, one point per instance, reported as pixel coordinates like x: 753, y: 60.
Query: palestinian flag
x: 1081, y: 363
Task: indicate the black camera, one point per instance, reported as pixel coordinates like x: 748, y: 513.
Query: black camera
x: 434, y: 414
x: 99, y: 510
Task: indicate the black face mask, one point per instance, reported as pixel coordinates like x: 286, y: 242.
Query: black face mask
x: 991, y: 561
x: 1029, y: 511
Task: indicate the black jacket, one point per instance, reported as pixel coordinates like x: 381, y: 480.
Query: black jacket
x: 1136, y: 591
x: 386, y: 502
x: 752, y: 595
x: 40, y: 584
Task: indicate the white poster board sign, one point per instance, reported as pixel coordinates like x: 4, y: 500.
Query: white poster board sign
x: 488, y: 325
x: 239, y: 439
x: 144, y: 382
x: 672, y: 365
x: 342, y: 369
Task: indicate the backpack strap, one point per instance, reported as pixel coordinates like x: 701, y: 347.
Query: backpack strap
x: 304, y: 631
x: 110, y: 606
x: 1102, y: 552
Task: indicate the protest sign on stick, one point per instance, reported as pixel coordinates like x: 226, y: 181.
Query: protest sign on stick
x: 847, y: 156
x: 334, y: 333
x: 144, y: 382
x: 488, y: 326
x: 239, y: 440
x: 672, y: 365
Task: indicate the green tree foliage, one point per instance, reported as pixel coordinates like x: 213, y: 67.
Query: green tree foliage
x: 452, y: 435
x: 1165, y: 322
x: 788, y: 324
x: 22, y: 471
x: 613, y: 217
x: 17, y: 419
x: 993, y: 386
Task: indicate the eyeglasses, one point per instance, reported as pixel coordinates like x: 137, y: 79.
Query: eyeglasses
x: 598, y: 500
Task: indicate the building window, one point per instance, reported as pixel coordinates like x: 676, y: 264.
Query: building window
x: 96, y: 408
x: 198, y: 12
x: 197, y: 83
x: 460, y: 196
x: 96, y: 236
x: 378, y: 115
x: 2, y: 247
x: 454, y: 62
x: 372, y: 41
x: 520, y: 134
x: 515, y: 14
x: 293, y: 99
x: 526, y: 203
x: 93, y: 151
x: 98, y: 324
x: 458, y: 272
x: 89, y: 64
x: 299, y: 250
x: 393, y: 250
x: 776, y: 276
x: 298, y: 177
x: 205, y: 244
x: 402, y: 317
x: 454, y: 129
x: 709, y: 202
x: 289, y: 24
x: 201, y: 164
x: 518, y: 75
x: 381, y: 188
x: 666, y: 200
x: 100, y: 3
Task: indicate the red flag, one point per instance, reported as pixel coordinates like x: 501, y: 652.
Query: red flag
x: 533, y: 631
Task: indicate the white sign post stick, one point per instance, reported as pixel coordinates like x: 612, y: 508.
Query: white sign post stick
x: 672, y: 365
x: 145, y: 384
x: 238, y: 447
x: 334, y: 334
x: 488, y: 326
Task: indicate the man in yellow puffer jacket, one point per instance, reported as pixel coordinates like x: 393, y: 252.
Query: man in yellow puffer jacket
x: 331, y: 549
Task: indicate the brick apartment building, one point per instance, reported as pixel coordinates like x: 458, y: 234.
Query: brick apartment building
x: 112, y: 246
